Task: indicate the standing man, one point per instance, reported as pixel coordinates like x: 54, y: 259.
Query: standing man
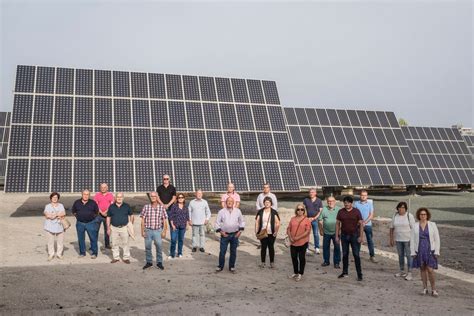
x: 118, y: 217
x: 266, y: 192
x: 86, y: 212
x: 349, y: 228
x: 166, y: 193
x: 230, y: 194
x: 366, y: 208
x: 104, y: 199
x: 314, y: 206
x: 154, y: 225
x: 230, y: 223
x: 199, y: 215
x: 327, y: 229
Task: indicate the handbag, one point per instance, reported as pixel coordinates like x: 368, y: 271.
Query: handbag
x: 264, y: 233
x: 66, y: 223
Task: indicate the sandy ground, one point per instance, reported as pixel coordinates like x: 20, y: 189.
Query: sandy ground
x: 31, y: 285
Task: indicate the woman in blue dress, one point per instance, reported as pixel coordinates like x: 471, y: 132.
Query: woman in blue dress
x: 424, y: 247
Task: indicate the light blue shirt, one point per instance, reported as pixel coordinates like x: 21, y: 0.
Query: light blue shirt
x: 53, y: 225
x: 365, y: 209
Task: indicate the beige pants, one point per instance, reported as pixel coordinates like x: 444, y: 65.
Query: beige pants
x: 59, y: 238
x: 120, y: 239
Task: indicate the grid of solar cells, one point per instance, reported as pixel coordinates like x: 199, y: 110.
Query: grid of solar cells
x: 440, y: 154
x: 349, y: 148
x: 76, y: 128
x: 4, y: 136
x: 469, y: 140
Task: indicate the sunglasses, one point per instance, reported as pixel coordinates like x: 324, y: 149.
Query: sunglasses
x: 300, y: 209
x: 180, y: 197
x: 166, y: 178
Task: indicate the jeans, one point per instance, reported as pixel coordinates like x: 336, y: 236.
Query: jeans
x: 103, y: 220
x: 355, y: 245
x: 370, y: 242
x: 298, y: 257
x: 327, y: 249
x: 314, y: 224
x: 224, y: 243
x: 153, y: 235
x: 177, y: 235
x: 199, y: 236
x: 267, y: 242
x: 92, y: 229
x: 403, y: 248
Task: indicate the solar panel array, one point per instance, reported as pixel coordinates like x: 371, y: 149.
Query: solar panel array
x: 469, y: 140
x: 76, y: 128
x: 4, y: 135
x: 440, y: 154
x: 349, y: 147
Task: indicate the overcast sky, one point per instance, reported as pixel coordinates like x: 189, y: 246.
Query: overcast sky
x: 413, y: 58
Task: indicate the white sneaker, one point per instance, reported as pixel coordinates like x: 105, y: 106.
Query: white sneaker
x: 298, y: 277
x: 180, y: 256
x: 409, y: 277
x: 317, y: 251
x: 308, y: 252
x: 50, y: 257
x: 292, y: 276
x: 400, y: 274
x: 170, y: 258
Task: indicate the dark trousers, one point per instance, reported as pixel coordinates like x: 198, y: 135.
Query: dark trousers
x: 224, y: 244
x: 268, y: 242
x: 103, y: 220
x: 351, y: 240
x: 327, y: 249
x: 298, y: 256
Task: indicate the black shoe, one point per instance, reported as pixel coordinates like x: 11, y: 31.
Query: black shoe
x: 159, y: 265
x: 194, y: 249
x: 336, y: 266
x: 359, y: 278
x: 324, y: 264
x: 108, y: 247
x: 202, y: 250
x: 147, y: 265
x: 342, y: 275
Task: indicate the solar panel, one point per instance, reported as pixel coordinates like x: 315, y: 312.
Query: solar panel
x: 75, y: 128
x: 4, y: 137
x: 441, y: 154
x: 469, y: 140
x: 349, y: 148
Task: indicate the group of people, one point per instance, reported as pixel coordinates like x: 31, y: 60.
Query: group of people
x: 418, y: 242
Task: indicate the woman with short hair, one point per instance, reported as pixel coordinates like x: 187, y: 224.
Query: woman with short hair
x: 267, y: 219
x: 400, y: 232
x: 53, y: 213
x: 298, y: 232
x: 179, y: 218
x: 425, y: 245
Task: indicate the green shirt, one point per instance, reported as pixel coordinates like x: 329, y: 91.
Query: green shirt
x: 328, y: 217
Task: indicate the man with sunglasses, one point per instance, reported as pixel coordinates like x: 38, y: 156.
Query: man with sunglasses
x: 166, y: 193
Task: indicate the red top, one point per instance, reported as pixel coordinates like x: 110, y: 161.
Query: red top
x: 295, y: 230
x: 104, y: 201
x: 349, y: 221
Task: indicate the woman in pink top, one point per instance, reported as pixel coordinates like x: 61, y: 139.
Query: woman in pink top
x: 298, y: 232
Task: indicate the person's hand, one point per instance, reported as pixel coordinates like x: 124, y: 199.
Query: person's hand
x: 392, y: 243
x: 206, y: 221
x: 109, y: 231
x: 163, y: 234
x: 337, y: 239
x: 223, y: 233
x: 321, y: 233
x: 173, y: 227
x: 275, y: 234
x: 238, y: 234
x: 190, y: 223
x: 143, y: 234
x: 359, y: 240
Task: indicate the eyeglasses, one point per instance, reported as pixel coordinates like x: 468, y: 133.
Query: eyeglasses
x: 300, y: 209
x: 180, y: 197
x: 153, y: 195
x: 423, y: 214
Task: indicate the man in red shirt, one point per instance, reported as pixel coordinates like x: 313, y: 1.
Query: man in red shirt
x: 104, y: 199
x: 349, y: 229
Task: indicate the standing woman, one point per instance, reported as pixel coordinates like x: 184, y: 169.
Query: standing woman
x: 179, y: 219
x: 298, y: 232
x: 400, y: 232
x: 53, y: 212
x: 269, y: 220
x: 425, y: 244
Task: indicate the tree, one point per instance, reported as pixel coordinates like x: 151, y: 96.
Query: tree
x: 402, y: 122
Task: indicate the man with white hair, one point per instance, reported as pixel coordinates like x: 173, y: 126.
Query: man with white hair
x: 118, y: 217
x: 230, y: 194
x: 86, y: 211
x: 104, y: 199
x: 199, y: 215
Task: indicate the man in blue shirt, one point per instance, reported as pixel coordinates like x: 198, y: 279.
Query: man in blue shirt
x: 314, y: 206
x: 366, y: 208
x: 86, y: 211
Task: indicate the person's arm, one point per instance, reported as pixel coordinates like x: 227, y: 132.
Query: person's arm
x: 173, y: 200
x: 241, y: 224
x: 275, y: 202
x: 237, y: 204
x: 131, y: 218
x: 218, y: 225
x: 361, y: 230
x: 109, y: 231
x: 257, y: 223
x: 371, y: 214
x: 257, y: 204
x: 222, y: 202
x: 391, y: 231
x: 321, y: 227
x: 142, y: 226
x: 208, y: 213
x: 73, y: 209
x: 277, y: 225
x: 412, y: 242
x: 288, y: 232
x: 338, y: 230
x: 436, y: 239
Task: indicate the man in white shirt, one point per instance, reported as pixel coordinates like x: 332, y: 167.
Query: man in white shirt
x: 266, y: 192
x: 199, y: 215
